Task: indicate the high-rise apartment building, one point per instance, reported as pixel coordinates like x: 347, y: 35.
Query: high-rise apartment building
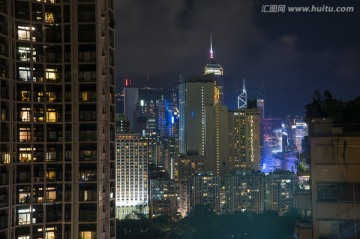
x: 131, y: 175
x: 244, y: 139
x: 205, y: 190
x: 335, y: 179
x: 57, y: 134
x: 216, y: 140
x: 245, y: 191
x: 280, y: 187
x: 163, y: 198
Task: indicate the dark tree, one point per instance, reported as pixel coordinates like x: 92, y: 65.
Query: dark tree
x: 326, y: 106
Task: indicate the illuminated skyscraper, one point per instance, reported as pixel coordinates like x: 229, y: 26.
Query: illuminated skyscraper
x: 242, y: 98
x: 212, y: 67
x: 217, y: 140
x: 300, y: 130
x: 260, y: 104
x: 202, y: 130
x: 244, y: 141
x: 57, y: 131
x: 194, y: 95
x: 131, y: 175
x: 162, y: 106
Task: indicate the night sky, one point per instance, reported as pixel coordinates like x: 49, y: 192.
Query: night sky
x: 284, y: 57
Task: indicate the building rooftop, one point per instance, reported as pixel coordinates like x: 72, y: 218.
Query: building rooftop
x: 322, y: 127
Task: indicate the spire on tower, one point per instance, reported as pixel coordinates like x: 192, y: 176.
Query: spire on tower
x: 211, y: 49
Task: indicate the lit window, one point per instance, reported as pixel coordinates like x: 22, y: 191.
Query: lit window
x: 24, y: 216
x: 50, y: 156
x: 23, y: 196
x: 25, y: 114
x: 49, y: 17
x: 51, y: 97
x: 85, y: 96
x: 23, y: 237
x: 39, y: 115
x: 51, y: 74
x: 24, y: 32
x: 25, y: 95
x: 25, y: 73
x: 25, y: 53
x: 5, y: 157
x: 40, y: 97
x: 50, y: 116
x: 25, y: 157
x: 87, y: 235
x: 49, y: 232
x: 38, y: 15
x: 24, y: 134
x: 48, y: 1
x: 25, y: 154
x: 51, y: 175
x: 49, y: 235
x: 87, y: 176
x: 50, y: 194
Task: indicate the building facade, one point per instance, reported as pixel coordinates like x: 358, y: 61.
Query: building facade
x: 131, y: 98
x: 244, y: 139
x: 216, y: 140
x: 205, y: 190
x: 335, y: 179
x: 245, y: 191
x: 163, y: 198
x: 280, y: 188
x: 57, y: 119
x: 194, y: 95
x: 131, y: 175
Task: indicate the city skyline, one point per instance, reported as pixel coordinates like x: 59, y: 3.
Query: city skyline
x: 285, y: 55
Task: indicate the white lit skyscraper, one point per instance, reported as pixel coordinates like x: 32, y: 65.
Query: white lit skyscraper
x: 131, y: 175
x: 57, y: 131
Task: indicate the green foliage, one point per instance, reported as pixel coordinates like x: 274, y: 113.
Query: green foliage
x: 204, y: 224
x: 303, y: 158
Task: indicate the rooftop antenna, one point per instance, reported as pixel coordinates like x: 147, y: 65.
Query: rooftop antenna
x: 211, y: 49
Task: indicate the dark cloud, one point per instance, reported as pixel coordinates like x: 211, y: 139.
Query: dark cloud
x: 287, y: 56
x: 161, y: 36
